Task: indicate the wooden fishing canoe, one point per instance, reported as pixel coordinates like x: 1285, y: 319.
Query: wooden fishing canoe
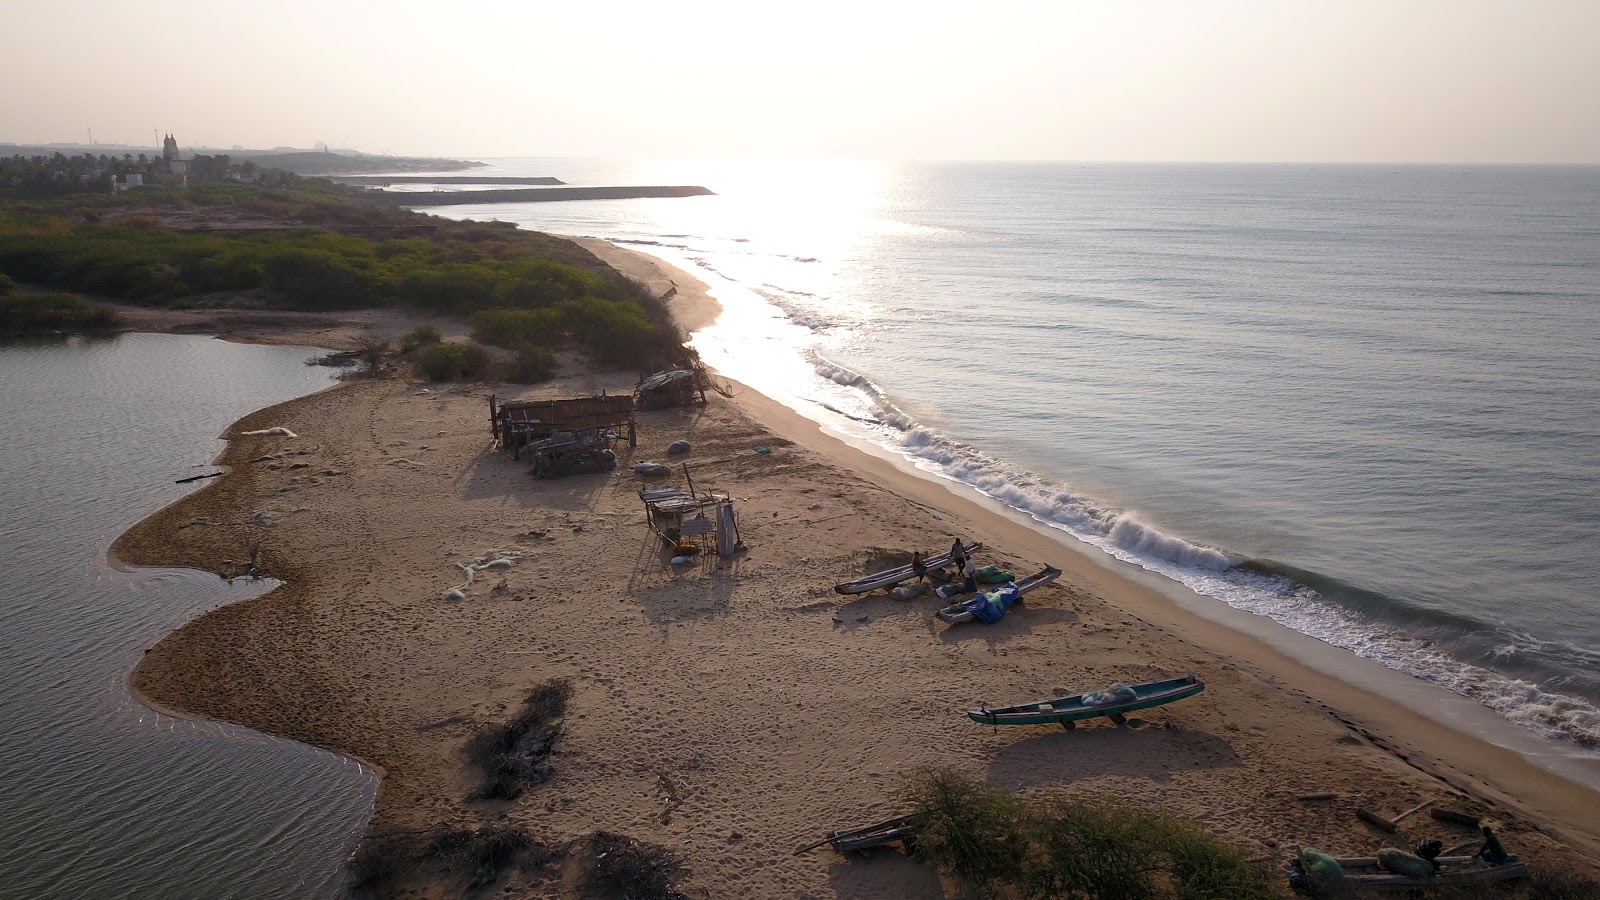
x: 892, y: 577
x: 957, y: 612
x: 1364, y: 872
x: 1067, y: 710
x: 899, y: 828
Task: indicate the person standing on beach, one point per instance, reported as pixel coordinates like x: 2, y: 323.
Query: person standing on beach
x: 958, y: 556
x: 969, y: 576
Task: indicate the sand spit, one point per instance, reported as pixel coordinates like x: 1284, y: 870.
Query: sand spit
x: 733, y: 709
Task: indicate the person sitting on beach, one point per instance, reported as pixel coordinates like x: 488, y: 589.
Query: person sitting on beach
x: 1492, y: 852
x: 1298, y: 882
x: 1429, y: 850
x: 918, y: 568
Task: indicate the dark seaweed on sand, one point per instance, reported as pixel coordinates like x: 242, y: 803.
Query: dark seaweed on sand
x: 620, y: 867
x: 514, y: 755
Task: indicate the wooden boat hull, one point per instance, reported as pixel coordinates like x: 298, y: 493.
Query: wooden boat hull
x: 891, y: 577
x: 1065, y: 710
x: 957, y: 613
x: 1364, y: 872
x: 860, y: 840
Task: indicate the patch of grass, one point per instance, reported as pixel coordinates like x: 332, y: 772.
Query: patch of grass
x: 1557, y: 884
x: 512, y: 756
x: 1003, y: 845
x: 621, y: 868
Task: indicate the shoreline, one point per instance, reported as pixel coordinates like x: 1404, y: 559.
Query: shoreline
x: 356, y: 593
x: 1243, y: 635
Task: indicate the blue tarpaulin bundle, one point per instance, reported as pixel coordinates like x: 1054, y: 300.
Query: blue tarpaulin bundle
x: 992, y: 607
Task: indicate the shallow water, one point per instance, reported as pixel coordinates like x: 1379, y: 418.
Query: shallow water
x: 1360, y: 400
x: 105, y: 797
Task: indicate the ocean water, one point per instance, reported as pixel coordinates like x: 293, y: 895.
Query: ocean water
x: 1363, y: 401
x: 104, y: 796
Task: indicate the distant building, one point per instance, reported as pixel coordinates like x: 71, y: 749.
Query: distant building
x: 178, y: 170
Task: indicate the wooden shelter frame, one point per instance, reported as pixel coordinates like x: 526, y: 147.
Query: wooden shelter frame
x: 514, y: 424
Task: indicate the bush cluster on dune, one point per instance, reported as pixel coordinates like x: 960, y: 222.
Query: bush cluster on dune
x: 1005, y: 845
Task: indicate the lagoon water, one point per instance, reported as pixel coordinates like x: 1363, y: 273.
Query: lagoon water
x: 104, y: 796
x: 1361, y: 400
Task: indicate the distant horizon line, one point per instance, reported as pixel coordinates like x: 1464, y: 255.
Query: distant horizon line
x: 344, y: 151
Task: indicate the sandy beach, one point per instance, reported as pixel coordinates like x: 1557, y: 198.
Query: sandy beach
x: 736, y: 708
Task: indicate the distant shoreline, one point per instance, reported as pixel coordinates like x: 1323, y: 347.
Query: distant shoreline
x: 445, y: 179
x: 537, y: 195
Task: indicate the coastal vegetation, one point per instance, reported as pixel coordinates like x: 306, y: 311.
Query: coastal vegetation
x: 1005, y: 845
x: 38, y: 312
x: 316, y: 246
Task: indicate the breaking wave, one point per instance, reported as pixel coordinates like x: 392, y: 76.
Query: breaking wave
x: 1338, y: 614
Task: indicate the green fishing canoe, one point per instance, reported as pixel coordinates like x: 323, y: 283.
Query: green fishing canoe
x: 1067, y: 710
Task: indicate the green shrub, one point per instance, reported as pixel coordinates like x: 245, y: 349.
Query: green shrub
x: 1099, y: 851
x: 532, y: 367
x: 1094, y: 849
x: 967, y: 828
x: 517, y: 328
x: 27, y: 313
x: 525, y: 291
x: 320, y: 279
x: 421, y: 336
x: 448, y: 362
x: 1204, y: 868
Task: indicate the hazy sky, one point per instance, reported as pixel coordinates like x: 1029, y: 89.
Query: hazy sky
x: 1234, y: 80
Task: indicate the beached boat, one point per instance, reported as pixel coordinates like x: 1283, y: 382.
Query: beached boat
x: 961, y: 611
x: 1113, y: 704
x: 860, y: 840
x: 892, y: 577
x: 1364, y: 872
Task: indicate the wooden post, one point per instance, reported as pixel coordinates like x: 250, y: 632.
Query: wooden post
x: 1450, y: 815
x: 494, y: 420
x: 1372, y: 818
x: 690, y: 479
